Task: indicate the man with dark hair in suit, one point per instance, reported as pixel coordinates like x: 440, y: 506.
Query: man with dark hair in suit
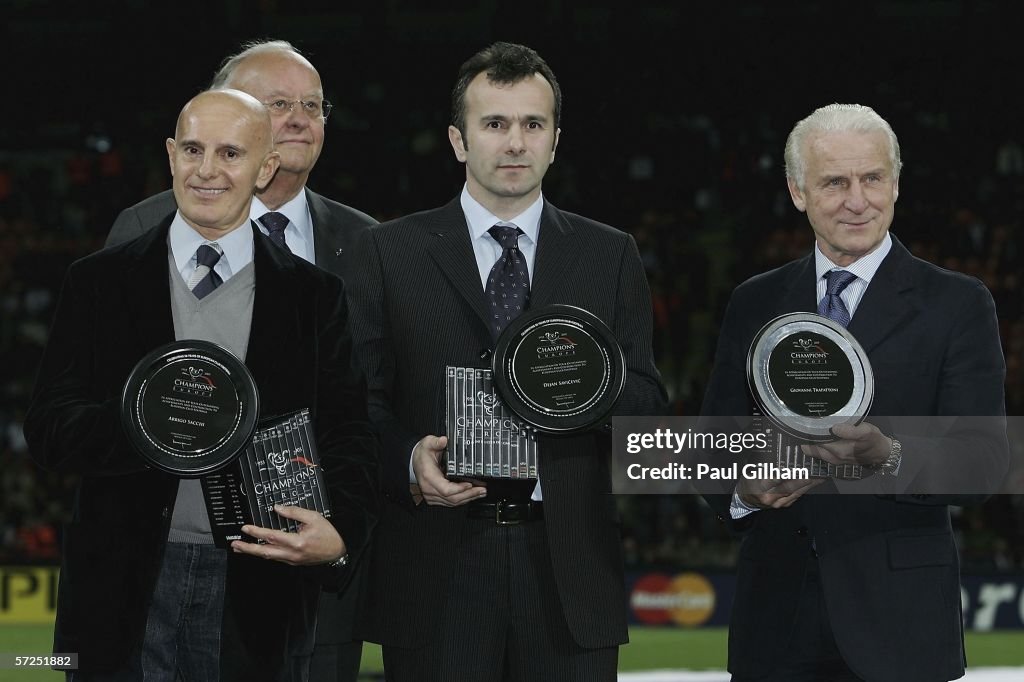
x: 862, y: 586
x: 309, y: 225
x: 144, y: 592
x: 455, y: 592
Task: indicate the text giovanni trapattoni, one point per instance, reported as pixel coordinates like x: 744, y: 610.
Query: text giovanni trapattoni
x: 675, y: 442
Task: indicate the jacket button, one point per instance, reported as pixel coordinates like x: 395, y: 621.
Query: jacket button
x: 801, y: 531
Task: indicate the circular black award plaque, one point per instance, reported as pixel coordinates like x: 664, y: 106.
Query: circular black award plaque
x: 190, y: 407
x: 559, y: 368
x: 807, y: 374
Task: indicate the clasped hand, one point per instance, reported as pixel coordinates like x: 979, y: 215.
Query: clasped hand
x: 431, y: 483
x: 863, y: 444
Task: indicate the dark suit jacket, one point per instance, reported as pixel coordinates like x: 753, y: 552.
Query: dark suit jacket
x: 114, y: 308
x: 418, y: 305
x: 335, y: 229
x: 889, y: 567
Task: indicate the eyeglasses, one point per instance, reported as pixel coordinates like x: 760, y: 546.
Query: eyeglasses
x: 311, y: 108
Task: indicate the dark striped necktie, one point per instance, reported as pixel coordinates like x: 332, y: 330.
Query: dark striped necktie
x: 205, y: 279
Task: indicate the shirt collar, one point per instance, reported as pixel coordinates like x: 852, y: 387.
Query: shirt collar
x: 864, y: 267
x: 295, y: 209
x: 480, y: 219
x: 236, y: 246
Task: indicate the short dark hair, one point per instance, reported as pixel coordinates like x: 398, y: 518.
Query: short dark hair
x: 505, y: 64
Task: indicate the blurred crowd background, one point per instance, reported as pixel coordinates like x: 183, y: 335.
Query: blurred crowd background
x: 674, y: 121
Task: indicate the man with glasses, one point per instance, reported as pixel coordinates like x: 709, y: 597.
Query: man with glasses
x: 309, y: 225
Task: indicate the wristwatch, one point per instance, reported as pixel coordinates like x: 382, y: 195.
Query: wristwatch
x: 891, y: 466
x: 339, y: 562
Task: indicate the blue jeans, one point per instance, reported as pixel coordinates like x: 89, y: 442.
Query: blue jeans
x: 183, y: 627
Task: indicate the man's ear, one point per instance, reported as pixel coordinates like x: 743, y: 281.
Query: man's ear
x: 267, y: 169
x: 170, y: 153
x: 797, y: 195
x: 458, y: 143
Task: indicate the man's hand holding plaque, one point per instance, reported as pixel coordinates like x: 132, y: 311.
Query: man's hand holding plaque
x: 812, y: 381
x: 862, y: 445
x: 191, y: 409
x: 431, y: 483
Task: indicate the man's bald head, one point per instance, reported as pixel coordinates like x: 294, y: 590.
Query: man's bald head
x: 229, y: 102
x: 221, y: 153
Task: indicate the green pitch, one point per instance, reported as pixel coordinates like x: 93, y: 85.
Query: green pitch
x: 649, y: 649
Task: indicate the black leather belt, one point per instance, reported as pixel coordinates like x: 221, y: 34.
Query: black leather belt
x: 506, y: 512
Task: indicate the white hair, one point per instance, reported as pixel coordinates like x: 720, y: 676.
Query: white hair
x: 837, y: 118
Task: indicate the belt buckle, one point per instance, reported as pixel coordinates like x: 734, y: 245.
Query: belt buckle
x: 499, y: 508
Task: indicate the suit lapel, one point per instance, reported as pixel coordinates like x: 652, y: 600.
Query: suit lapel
x: 557, y: 248
x: 885, y: 306
x: 798, y: 295
x: 269, y: 336
x: 451, y: 250
x: 326, y: 242
x: 148, y: 293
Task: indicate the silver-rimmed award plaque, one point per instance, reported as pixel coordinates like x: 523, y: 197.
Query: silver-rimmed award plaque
x: 808, y: 374
x: 190, y: 408
x: 559, y: 368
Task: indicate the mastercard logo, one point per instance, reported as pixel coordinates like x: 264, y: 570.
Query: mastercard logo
x: 686, y: 599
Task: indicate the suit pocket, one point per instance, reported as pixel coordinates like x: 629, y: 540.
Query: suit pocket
x: 920, y: 551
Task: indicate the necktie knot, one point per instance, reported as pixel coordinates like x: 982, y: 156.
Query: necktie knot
x: 506, y: 235
x: 831, y: 305
x: 205, y: 279
x: 276, y: 223
x: 207, y: 255
x: 837, y: 280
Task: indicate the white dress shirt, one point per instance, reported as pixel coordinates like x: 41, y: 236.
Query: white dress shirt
x: 235, y: 248
x: 299, y: 232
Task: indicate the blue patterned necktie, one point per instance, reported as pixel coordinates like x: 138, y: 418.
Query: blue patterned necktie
x: 508, y: 284
x: 208, y: 279
x: 276, y: 223
x: 832, y: 305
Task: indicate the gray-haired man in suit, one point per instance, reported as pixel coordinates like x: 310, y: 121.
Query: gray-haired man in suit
x: 862, y: 586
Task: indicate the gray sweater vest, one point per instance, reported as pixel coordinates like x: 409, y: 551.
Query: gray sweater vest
x: 224, y: 316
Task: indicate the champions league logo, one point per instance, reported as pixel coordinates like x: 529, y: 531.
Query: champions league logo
x: 280, y: 461
x: 809, y: 352
x: 555, y: 343
x: 195, y: 380
x: 488, y: 401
